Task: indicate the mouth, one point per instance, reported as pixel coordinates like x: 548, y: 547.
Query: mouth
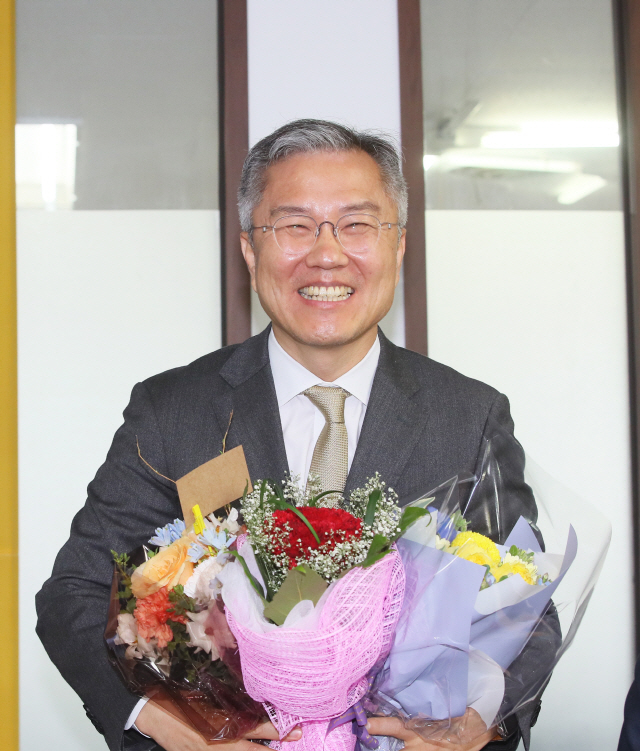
x: 326, y: 294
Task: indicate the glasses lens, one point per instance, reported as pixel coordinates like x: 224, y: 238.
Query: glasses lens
x: 295, y: 233
x: 358, y: 232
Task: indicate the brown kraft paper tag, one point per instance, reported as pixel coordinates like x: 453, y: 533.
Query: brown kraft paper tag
x: 214, y: 484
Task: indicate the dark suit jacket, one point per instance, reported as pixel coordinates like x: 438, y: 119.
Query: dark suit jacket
x: 630, y: 734
x: 424, y: 423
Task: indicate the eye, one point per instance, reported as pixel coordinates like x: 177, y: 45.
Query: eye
x: 355, y: 228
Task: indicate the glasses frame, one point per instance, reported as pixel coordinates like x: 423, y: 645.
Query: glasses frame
x: 335, y: 232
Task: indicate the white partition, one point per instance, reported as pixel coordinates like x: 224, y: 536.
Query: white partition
x: 325, y: 59
x: 533, y: 302
x: 105, y: 299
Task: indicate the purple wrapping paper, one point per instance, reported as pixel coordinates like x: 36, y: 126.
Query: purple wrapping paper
x: 426, y: 673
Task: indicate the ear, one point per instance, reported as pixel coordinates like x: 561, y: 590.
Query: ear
x: 400, y: 254
x: 249, y: 256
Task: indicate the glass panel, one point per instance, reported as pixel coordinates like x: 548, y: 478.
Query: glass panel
x: 519, y: 104
x: 528, y: 293
x: 139, y: 82
x: 118, y: 260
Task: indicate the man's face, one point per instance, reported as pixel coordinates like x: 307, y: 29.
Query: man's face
x: 325, y: 186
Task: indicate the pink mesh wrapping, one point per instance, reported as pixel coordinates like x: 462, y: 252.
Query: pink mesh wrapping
x: 310, y: 677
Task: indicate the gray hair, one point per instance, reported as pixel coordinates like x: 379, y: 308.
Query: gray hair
x: 307, y: 136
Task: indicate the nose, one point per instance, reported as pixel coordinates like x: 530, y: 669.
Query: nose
x: 327, y: 253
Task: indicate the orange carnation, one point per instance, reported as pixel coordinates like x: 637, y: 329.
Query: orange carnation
x: 152, y: 614
x: 166, y: 569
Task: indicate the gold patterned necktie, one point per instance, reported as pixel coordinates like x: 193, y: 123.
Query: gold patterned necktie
x: 330, y: 461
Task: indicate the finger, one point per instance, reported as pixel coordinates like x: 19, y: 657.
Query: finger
x: 392, y: 726
x: 267, y: 731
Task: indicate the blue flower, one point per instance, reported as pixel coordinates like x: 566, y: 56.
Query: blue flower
x: 217, y: 540
x: 170, y: 533
x: 446, y: 528
x: 196, y: 552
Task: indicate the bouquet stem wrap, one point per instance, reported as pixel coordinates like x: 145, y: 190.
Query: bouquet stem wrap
x: 309, y: 677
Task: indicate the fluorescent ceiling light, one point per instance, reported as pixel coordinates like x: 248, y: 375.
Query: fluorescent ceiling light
x: 428, y: 160
x: 457, y: 159
x: 579, y: 186
x: 46, y: 165
x: 555, y: 135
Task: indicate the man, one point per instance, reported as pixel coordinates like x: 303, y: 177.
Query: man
x: 322, y: 210
x: 630, y: 733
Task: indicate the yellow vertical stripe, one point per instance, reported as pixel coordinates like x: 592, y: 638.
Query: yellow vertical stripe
x: 8, y: 391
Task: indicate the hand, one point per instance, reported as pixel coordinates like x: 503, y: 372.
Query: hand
x: 173, y: 735
x: 469, y: 733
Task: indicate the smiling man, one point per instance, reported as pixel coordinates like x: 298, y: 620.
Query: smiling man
x: 321, y: 391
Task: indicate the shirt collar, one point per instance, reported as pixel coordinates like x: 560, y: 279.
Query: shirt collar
x: 291, y: 378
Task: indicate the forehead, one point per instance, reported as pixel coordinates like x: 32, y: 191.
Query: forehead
x: 324, y: 181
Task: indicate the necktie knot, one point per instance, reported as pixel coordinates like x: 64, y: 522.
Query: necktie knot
x: 329, y: 400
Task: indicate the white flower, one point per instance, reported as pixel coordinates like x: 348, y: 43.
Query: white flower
x: 199, y: 583
x: 198, y: 636
x: 127, y: 632
x: 231, y: 522
x: 442, y: 543
x: 142, y: 648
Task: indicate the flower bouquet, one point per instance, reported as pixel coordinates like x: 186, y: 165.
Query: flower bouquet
x: 311, y: 594
x: 320, y: 610
x: 479, y: 633
x: 317, y: 610
x: 161, y: 620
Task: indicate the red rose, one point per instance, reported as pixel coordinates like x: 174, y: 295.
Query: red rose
x: 331, y: 525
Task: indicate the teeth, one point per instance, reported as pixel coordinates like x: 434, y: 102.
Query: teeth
x: 326, y: 294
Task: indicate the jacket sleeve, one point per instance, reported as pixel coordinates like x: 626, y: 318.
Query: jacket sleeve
x: 500, y: 497
x: 126, y: 500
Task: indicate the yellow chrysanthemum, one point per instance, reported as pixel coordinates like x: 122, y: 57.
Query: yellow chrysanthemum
x: 507, y: 569
x: 476, y: 548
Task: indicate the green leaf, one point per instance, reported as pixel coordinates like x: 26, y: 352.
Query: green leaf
x: 282, y: 505
x: 254, y: 582
x: 522, y: 554
x: 265, y: 577
x: 380, y: 546
x: 372, y: 505
x: 314, y: 501
x: 409, y: 516
x: 301, y: 583
x: 459, y: 522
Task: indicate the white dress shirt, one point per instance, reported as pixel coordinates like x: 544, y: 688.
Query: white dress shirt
x: 302, y: 421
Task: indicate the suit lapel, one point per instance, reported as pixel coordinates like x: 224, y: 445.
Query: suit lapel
x: 256, y: 418
x: 393, y: 421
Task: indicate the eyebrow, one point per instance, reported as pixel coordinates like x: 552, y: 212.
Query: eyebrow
x: 349, y: 209
x: 289, y: 210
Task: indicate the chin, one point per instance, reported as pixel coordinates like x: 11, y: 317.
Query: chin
x: 326, y: 336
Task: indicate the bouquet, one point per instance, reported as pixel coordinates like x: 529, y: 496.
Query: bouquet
x: 491, y: 602
x: 472, y: 608
x: 161, y: 620
x: 320, y: 610
x: 331, y: 582
x: 311, y: 593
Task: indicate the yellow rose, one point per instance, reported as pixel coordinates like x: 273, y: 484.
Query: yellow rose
x: 476, y: 548
x: 166, y: 569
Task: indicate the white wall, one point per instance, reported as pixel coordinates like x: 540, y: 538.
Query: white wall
x: 533, y: 302
x: 105, y: 299
x: 326, y: 59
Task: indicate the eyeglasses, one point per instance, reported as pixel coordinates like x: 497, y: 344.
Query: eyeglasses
x: 298, y: 233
